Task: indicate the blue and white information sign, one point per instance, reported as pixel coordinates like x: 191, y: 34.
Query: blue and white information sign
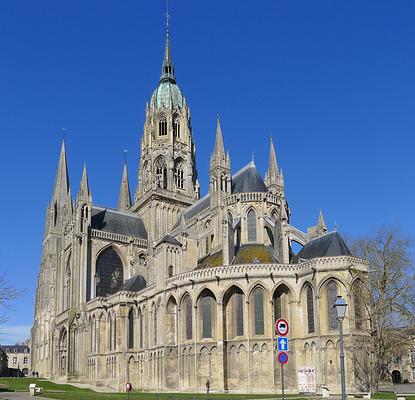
x: 282, y: 343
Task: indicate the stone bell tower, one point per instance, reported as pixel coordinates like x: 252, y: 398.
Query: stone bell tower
x: 167, y: 177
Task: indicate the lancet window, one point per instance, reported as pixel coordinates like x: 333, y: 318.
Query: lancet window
x: 176, y: 127
x: 162, y: 126
x: 251, y: 224
x: 161, y: 173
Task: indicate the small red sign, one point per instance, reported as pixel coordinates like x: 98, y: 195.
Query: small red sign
x: 128, y: 387
x: 283, y: 357
x: 281, y: 327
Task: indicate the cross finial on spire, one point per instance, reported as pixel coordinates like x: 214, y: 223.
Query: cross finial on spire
x: 125, y: 152
x: 253, y: 155
x: 167, y: 17
x: 63, y: 133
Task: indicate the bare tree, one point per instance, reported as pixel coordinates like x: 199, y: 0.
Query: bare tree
x: 8, y: 293
x: 388, y: 298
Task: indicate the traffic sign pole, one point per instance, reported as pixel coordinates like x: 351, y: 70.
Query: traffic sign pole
x: 282, y: 381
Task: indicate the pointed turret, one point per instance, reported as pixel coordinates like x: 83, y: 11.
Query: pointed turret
x: 318, y: 230
x: 61, y: 190
x: 220, y: 169
x: 321, y: 223
x: 124, y: 199
x: 219, y: 149
x: 84, y: 192
x: 272, y: 177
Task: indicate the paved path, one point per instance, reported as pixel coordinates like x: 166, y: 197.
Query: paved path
x: 401, y: 388
x: 19, y: 396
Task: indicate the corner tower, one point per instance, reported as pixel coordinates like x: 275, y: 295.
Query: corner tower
x: 167, y: 177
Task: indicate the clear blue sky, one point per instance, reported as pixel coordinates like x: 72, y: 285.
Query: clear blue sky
x: 332, y: 81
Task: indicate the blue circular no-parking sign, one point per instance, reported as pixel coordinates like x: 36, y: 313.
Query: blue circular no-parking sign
x: 283, y: 357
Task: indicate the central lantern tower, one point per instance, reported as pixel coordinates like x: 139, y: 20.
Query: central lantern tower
x: 167, y: 177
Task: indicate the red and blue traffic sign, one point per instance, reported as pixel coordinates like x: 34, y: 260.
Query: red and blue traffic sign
x: 281, y: 326
x: 283, y: 357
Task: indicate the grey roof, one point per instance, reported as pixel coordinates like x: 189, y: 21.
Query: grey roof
x: 329, y: 245
x: 169, y: 239
x: 134, y: 284
x: 198, y: 207
x: 108, y: 220
x: 248, y: 180
x: 20, y: 348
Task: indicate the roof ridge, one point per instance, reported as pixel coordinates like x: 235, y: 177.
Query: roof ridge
x: 116, y: 211
x: 251, y: 164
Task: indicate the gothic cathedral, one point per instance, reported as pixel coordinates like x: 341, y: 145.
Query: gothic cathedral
x: 170, y: 290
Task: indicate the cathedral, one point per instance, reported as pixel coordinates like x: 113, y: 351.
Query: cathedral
x: 171, y: 290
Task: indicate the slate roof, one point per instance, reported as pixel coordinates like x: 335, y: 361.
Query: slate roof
x: 248, y: 180
x: 329, y: 245
x: 169, y: 239
x: 20, y: 348
x: 134, y: 284
x: 113, y: 221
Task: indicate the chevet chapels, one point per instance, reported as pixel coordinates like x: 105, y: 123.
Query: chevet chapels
x: 171, y: 290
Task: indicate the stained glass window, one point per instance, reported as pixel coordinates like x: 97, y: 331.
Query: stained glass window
x: 251, y: 222
x: 310, y: 310
x: 109, y: 272
x: 207, y: 305
x: 188, y: 318
x: 259, y: 311
x: 239, y: 313
x: 331, y: 299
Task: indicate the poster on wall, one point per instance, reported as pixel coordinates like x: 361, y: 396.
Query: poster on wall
x: 307, y: 379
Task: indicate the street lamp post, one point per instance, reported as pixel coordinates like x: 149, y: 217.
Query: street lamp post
x: 340, y: 306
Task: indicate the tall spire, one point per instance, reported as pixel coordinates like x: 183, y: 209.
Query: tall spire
x: 272, y: 175
x: 167, y: 70
x: 124, y: 199
x: 84, y: 192
x: 321, y: 223
x: 219, y: 149
x: 61, y: 190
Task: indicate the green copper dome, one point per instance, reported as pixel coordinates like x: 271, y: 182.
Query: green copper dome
x: 167, y: 94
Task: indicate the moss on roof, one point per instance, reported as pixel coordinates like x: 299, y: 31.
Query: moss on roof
x: 249, y: 253
x: 211, y: 261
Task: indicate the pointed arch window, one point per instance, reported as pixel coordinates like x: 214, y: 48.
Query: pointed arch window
x: 176, y: 126
x: 179, y: 174
x: 188, y: 318
x: 259, y: 311
x: 131, y: 329
x: 310, y: 309
x: 251, y: 224
x: 109, y: 273
x: 162, y: 126
x: 358, y: 305
x: 155, y: 323
x: 171, y: 271
x: 331, y: 299
x: 141, y: 328
x: 207, y: 311
x: 161, y: 173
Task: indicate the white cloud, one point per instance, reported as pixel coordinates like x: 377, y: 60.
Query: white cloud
x: 14, y: 333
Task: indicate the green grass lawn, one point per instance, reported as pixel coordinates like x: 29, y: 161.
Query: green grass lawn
x: 69, y: 392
